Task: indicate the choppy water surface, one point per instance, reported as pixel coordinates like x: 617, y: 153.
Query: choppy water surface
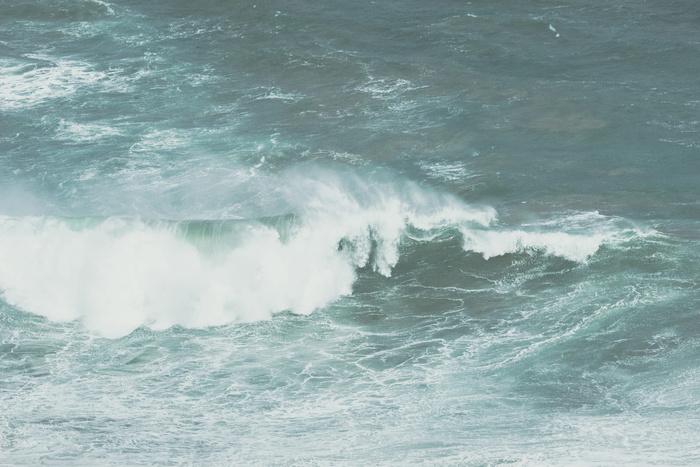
x: 367, y: 233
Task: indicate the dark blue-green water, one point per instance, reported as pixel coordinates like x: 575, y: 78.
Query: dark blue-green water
x: 349, y: 233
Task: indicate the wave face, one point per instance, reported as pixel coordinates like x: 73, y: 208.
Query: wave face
x: 391, y: 232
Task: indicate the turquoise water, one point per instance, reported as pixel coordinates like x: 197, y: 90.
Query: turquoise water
x: 368, y: 233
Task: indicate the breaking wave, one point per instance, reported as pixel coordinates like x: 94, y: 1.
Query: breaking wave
x: 118, y: 274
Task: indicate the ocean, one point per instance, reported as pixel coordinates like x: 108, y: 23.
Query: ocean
x: 325, y: 233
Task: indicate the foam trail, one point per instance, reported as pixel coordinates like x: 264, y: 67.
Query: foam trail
x: 575, y: 247
x: 576, y: 236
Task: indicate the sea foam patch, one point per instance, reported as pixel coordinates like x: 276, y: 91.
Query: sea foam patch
x: 35, y: 80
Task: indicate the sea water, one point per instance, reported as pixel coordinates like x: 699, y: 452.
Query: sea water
x: 349, y: 233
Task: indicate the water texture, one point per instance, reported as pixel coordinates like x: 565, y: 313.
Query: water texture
x: 349, y: 233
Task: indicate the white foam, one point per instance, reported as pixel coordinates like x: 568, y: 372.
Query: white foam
x: 374, y: 216
x: 30, y: 83
x: 382, y: 88
x: 106, y: 5
x: 575, y: 236
x: 575, y: 247
x: 277, y: 94
x: 162, y: 140
x: 122, y: 274
x: 448, y: 171
x: 85, y: 132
